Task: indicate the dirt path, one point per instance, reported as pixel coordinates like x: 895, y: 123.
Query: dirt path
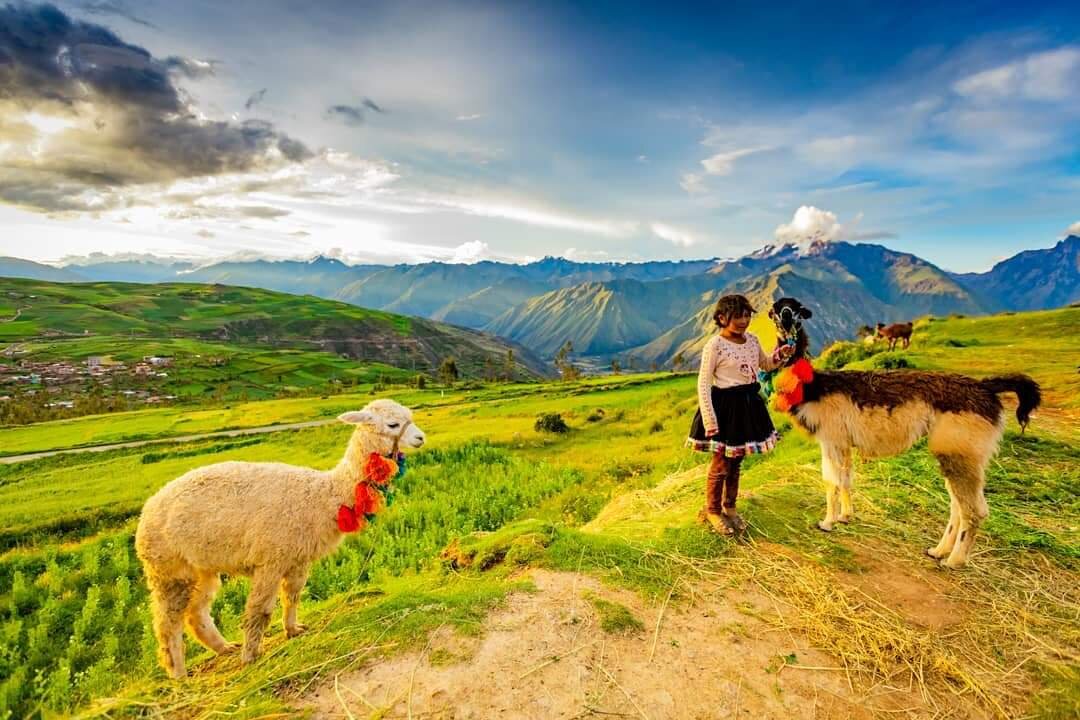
x: 159, y: 441
x: 544, y: 655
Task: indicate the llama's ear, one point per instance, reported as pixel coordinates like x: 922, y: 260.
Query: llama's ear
x: 356, y: 417
x: 805, y: 314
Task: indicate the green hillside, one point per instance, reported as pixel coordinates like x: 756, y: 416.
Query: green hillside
x: 245, y: 316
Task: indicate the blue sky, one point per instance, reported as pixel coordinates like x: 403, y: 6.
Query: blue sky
x: 407, y: 131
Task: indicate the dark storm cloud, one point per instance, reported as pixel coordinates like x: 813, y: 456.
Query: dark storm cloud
x: 353, y: 114
x: 255, y: 99
x: 114, y: 8
x: 129, y: 123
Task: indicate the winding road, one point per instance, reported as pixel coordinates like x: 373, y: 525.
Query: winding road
x: 161, y: 441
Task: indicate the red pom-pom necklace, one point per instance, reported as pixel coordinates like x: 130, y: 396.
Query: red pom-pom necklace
x: 369, y: 495
x: 789, y: 384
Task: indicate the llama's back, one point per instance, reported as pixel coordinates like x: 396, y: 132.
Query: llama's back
x: 885, y: 412
x: 233, y: 516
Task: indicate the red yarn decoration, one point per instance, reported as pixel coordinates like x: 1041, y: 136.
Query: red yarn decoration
x: 347, y: 519
x: 368, y: 501
x: 378, y: 469
x: 803, y: 370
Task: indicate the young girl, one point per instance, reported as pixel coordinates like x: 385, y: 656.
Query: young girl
x: 732, y: 420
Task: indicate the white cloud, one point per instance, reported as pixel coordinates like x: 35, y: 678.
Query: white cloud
x: 675, y: 236
x: 584, y: 255
x: 809, y: 225
x: 693, y: 183
x: 466, y: 118
x: 1073, y: 229
x: 542, y: 217
x: 723, y: 163
x: 1049, y: 75
x: 470, y: 252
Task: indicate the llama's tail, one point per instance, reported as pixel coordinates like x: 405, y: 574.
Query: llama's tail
x: 1026, y: 389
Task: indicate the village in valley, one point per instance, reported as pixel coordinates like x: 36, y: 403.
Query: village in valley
x: 60, y: 385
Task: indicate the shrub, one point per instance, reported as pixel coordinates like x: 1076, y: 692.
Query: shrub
x: 656, y: 427
x: 843, y: 353
x: 891, y: 361
x: 595, y: 416
x: 552, y: 423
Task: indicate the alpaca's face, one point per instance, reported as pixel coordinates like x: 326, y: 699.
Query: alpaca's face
x: 787, y: 314
x: 391, y: 424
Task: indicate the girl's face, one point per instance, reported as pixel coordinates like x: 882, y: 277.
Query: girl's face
x: 738, y: 322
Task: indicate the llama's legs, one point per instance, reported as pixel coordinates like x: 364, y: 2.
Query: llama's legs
x: 945, y: 547
x: 968, y: 486
x: 833, y: 461
x: 199, y: 619
x: 169, y: 598
x: 260, y: 604
x: 846, y: 510
x: 291, y: 587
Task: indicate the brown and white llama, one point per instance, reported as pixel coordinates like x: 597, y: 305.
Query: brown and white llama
x: 894, y: 333
x: 883, y: 413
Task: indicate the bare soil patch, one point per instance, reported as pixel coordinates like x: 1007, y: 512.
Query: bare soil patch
x: 544, y: 655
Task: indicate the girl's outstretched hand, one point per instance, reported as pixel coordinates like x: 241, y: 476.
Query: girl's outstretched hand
x: 786, y: 351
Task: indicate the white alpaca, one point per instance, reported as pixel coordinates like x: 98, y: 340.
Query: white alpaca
x: 268, y: 521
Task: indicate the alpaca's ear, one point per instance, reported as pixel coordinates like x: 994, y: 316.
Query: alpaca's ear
x: 356, y: 417
x: 805, y: 314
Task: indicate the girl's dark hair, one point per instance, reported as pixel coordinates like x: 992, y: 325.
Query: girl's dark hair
x: 729, y: 306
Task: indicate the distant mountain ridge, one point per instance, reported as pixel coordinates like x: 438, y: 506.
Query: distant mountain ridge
x: 1030, y: 280
x: 648, y: 310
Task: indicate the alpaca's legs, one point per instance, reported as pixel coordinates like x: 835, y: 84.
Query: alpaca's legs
x: 169, y: 598
x: 199, y: 619
x: 945, y: 547
x: 291, y: 588
x: 973, y: 510
x: 260, y: 604
x: 833, y: 461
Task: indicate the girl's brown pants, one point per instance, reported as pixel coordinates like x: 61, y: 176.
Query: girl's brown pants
x: 722, y: 483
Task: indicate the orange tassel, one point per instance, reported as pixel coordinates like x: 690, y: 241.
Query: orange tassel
x: 785, y: 381
x: 379, y: 470
x: 368, y: 501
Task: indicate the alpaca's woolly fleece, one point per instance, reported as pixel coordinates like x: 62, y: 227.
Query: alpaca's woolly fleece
x: 269, y: 521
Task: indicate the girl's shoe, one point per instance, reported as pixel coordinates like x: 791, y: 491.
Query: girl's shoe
x: 735, y: 520
x: 717, y: 522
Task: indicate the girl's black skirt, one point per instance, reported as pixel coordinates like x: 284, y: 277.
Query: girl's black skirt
x: 743, y: 420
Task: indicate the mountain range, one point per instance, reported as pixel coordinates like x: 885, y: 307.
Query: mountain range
x: 648, y: 311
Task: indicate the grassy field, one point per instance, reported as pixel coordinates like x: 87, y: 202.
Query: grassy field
x: 616, y: 496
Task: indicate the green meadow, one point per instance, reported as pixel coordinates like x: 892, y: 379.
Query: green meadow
x: 615, y: 496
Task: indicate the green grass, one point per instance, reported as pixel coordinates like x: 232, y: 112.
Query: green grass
x: 615, y: 618
x: 615, y: 496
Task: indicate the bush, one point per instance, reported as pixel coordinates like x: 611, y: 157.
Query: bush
x: 552, y: 423
x: 656, y: 427
x: 843, y: 353
x: 595, y: 416
x: 891, y: 361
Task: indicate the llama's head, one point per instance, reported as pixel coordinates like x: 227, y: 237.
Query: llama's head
x: 787, y: 314
x: 385, y: 425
